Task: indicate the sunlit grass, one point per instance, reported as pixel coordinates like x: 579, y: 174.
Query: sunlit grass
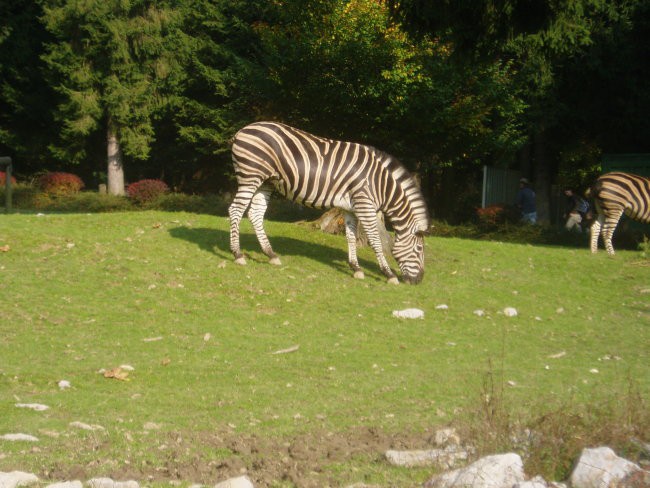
x: 159, y: 291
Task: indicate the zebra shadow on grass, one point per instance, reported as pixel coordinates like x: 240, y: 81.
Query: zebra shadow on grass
x: 217, y: 241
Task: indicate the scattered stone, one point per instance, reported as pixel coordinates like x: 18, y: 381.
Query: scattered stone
x: 445, y: 437
x: 66, y: 484
x: 109, y: 483
x: 239, y: 482
x: 510, y: 312
x: 536, y: 482
x: 14, y: 479
x: 33, y: 406
x: 19, y: 437
x: 84, y: 426
x: 409, y: 313
x: 442, y: 306
x: 601, y: 467
x: 498, y: 471
x: 446, y: 458
x: 152, y: 339
x: 64, y: 384
x: 479, y: 312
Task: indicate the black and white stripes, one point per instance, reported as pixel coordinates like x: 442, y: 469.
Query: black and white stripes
x: 324, y: 173
x: 616, y: 194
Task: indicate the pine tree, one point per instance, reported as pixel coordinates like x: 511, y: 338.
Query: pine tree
x: 114, y: 63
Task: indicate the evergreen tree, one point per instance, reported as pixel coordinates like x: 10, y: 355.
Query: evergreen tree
x: 114, y: 63
x: 26, y: 102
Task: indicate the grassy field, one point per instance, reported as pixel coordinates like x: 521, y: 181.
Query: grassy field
x: 208, y: 398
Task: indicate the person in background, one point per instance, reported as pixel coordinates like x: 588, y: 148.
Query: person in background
x: 525, y: 202
x: 576, y: 211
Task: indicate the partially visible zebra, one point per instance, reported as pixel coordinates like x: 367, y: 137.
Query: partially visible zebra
x: 324, y: 173
x: 616, y: 194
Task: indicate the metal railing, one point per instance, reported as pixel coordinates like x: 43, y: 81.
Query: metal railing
x: 5, y: 161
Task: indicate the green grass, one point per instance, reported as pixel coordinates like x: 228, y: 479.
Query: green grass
x: 82, y: 292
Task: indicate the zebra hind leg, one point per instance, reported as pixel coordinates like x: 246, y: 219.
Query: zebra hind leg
x: 595, y: 233
x: 351, y: 237
x: 608, y: 231
x: 236, y: 211
x: 258, y: 207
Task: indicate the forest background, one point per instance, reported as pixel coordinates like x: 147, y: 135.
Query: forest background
x: 120, y: 90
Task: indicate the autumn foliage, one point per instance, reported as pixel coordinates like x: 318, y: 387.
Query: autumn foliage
x: 58, y: 183
x: 144, y: 191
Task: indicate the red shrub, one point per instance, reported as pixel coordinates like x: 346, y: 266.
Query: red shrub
x: 60, y: 183
x: 497, y: 214
x: 3, y: 179
x: 144, y: 191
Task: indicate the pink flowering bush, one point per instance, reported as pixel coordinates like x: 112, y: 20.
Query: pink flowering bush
x: 145, y: 191
x: 58, y: 183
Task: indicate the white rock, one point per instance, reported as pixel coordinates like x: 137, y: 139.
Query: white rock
x: 444, y: 458
x: 510, y: 312
x: 479, y: 312
x: 498, y: 471
x: 447, y: 436
x: 442, y: 306
x: 19, y: 437
x: 14, y: 479
x: 39, y: 407
x: 109, y: 483
x: 64, y: 384
x: 84, y: 426
x: 409, y: 313
x: 239, y: 482
x: 66, y: 484
x: 536, y: 482
x: 600, y: 467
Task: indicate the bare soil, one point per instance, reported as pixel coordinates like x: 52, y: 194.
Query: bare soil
x: 208, y: 458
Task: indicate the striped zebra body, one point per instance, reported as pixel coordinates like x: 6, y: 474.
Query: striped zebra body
x: 323, y: 173
x: 616, y: 194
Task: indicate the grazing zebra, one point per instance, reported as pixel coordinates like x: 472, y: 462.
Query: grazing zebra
x: 324, y: 173
x: 616, y: 194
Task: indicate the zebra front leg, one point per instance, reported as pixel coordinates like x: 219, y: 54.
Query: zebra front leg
x: 258, y: 207
x: 351, y: 237
x: 367, y: 215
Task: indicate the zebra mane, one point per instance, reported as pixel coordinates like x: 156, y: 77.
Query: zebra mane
x: 409, y: 186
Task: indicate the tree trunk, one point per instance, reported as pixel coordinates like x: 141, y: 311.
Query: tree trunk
x: 115, y: 167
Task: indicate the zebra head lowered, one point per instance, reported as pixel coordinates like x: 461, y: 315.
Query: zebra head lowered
x: 323, y: 173
x: 408, y: 251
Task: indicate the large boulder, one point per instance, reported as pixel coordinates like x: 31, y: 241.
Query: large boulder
x: 601, y: 468
x: 498, y: 471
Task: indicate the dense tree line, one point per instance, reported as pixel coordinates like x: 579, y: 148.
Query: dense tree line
x: 121, y: 90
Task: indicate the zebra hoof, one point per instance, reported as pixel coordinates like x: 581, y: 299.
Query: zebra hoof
x: 358, y: 275
x: 393, y: 281
x: 241, y: 261
x: 275, y: 261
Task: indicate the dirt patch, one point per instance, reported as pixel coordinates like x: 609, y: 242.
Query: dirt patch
x: 307, y: 460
